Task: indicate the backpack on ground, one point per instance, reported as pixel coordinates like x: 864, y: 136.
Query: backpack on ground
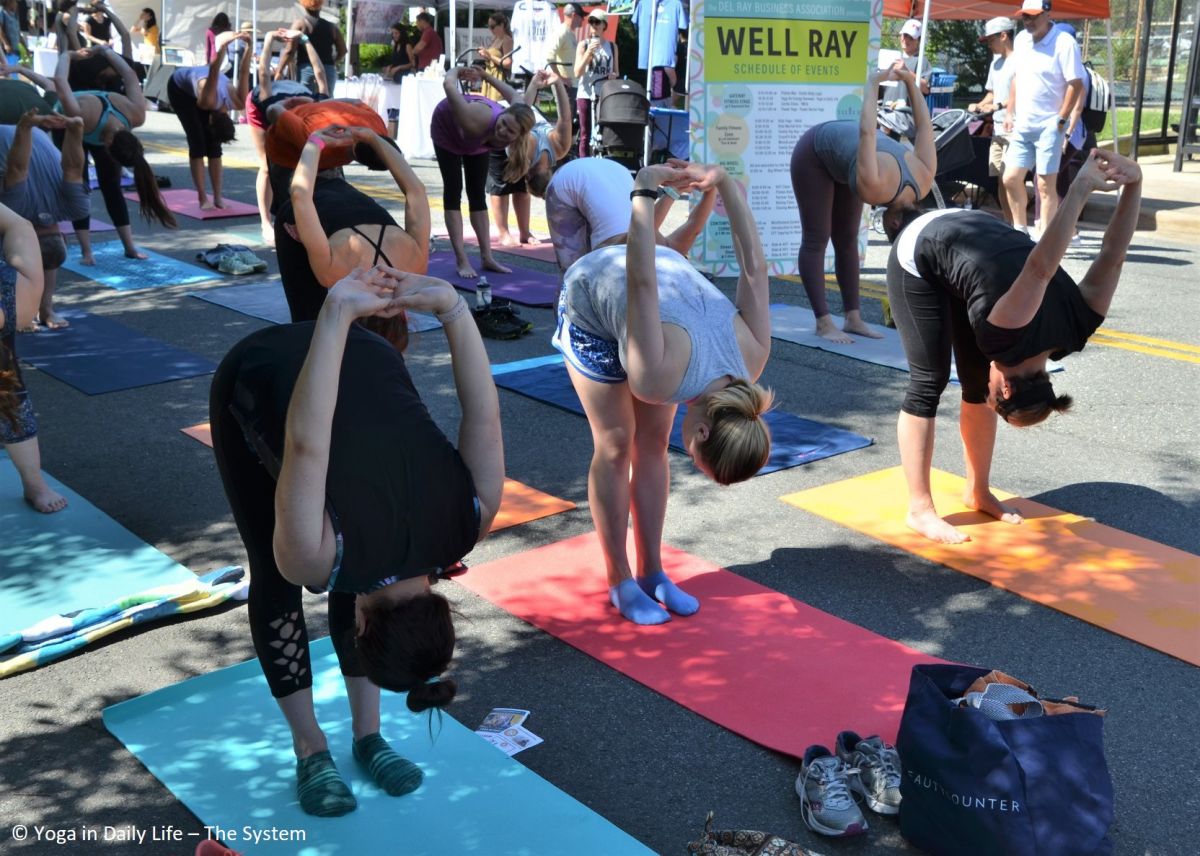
x: 1095, y: 110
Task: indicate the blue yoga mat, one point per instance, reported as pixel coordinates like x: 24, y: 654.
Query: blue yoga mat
x: 794, y: 441
x: 219, y: 743
x: 77, y: 558
x: 97, y: 355
x: 265, y: 300
x: 116, y: 271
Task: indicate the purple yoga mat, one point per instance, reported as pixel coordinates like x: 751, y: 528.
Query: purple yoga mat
x: 525, y: 286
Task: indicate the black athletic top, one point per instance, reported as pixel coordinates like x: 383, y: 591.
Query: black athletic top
x: 321, y: 39
x: 401, y: 499
x: 339, y: 206
x: 977, y: 258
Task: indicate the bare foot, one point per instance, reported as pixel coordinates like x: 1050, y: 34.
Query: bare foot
x: 219, y: 203
x: 463, y: 268
x: 530, y: 240
x: 32, y: 327
x: 135, y: 253
x: 861, y: 329
x: 52, y: 320
x: 992, y: 507
x: 826, y: 329
x: 934, y: 528
x: 87, y: 259
x: 505, y: 239
x: 45, y: 500
x: 493, y: 265
x: 206, y: 205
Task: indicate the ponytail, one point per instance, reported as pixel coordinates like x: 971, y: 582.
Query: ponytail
x: 739, y: 441
x: 519, y: 156
x: 126, y: 149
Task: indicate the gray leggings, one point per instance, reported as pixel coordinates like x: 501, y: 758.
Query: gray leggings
x: 828, y: 210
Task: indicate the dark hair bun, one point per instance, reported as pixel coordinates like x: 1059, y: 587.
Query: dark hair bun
x: 424, y: 696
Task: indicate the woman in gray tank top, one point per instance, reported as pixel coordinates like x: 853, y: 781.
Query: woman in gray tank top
x: 642, y: 331
x: 836, y: 167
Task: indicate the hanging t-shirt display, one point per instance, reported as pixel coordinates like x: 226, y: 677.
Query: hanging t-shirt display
x: 671, y: 18
x: 534, y: 27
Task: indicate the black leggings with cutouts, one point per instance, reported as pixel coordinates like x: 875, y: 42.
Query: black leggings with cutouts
x: 277, y: 623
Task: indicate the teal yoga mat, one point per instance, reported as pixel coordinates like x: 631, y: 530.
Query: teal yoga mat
x: 77, y: 558
x: 116, y: 271
x: 219, y: 743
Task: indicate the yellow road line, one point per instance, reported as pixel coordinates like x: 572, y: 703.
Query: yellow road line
x: 1099, y: 338
x: 1148, y: 340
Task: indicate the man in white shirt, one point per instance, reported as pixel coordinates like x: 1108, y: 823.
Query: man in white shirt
x: 998, y: 34
x: 1047, y: 82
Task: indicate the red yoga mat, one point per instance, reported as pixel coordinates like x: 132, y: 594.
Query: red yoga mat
x: 182, y: 200
x: 752, y: 660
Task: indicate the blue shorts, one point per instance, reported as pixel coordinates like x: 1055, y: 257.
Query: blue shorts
x: 1041, y: 147
x: 594, y: 357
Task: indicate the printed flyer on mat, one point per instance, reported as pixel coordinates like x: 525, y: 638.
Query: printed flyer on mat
x: 762, y: 73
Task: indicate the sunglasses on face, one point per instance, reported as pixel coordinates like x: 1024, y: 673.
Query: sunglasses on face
x: 595, y: 23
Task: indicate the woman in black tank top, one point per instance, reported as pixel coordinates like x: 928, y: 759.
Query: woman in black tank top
x: 328, y: 228
x: 334, y: 472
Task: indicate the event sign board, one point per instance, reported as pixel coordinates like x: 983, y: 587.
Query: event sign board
x: 762, y: 73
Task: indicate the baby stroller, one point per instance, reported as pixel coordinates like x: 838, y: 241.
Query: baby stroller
x: 619, y: 126
x: 952, y: 140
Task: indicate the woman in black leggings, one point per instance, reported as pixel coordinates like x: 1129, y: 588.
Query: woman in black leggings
x: 967, y: 281
x: 465, y: 129
x: 340, y: 481
x: 836, y: 167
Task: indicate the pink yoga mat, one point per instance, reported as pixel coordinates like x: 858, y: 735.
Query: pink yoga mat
x: 530, y: 287
x: 543, y: 252
x: 95, y: 226
x: 752, y: 660
x: 181, y: 200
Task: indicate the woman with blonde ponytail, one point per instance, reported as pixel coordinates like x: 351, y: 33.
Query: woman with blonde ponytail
x: 642, y: 332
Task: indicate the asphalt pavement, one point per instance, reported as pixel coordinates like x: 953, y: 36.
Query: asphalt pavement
x: 1126, y: 455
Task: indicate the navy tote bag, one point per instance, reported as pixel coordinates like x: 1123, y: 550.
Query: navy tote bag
x: 1022, y: 787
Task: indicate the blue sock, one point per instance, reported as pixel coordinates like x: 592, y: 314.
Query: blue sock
x: 668, y: 594
x: 628, y: 597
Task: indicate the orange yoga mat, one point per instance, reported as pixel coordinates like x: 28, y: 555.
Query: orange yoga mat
x: 1133, y: 587
x: 752, y: 660
x: 521, y: 502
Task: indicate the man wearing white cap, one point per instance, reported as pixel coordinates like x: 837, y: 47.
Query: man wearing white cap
x: 910, y: 43
x: 998, y: 34
x: 1047, y: 81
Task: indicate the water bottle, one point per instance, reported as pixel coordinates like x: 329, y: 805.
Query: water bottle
x: 483, y: 293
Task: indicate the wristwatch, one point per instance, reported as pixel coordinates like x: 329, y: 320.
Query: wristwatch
x: 1062, y: 122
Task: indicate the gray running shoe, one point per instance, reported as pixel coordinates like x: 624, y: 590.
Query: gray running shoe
x: 878, y: 766
x: 826, y: 803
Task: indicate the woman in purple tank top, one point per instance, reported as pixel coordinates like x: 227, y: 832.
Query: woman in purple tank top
x: 465, y: 129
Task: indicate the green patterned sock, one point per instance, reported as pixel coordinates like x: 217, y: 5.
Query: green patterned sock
x: 394, y: 774
x: 320, y: 787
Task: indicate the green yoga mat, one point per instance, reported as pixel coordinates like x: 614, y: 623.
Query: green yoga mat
x: 51, y: 564
x: 220, y: 744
